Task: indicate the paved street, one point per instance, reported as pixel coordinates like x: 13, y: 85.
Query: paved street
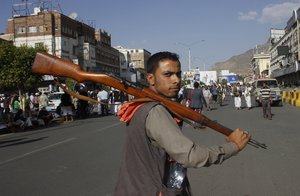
x: 83, y: 157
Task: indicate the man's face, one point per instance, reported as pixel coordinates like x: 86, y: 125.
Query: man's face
x: 166, y: 79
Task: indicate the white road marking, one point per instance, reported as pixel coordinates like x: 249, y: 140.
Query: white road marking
x: 109, y: 126
x: 35, y: 151
x: 53, y: 145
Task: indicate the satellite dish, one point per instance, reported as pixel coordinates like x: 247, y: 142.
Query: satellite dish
x: 73, y: 15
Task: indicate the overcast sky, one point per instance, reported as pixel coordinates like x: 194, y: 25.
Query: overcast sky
x: 228, y: 27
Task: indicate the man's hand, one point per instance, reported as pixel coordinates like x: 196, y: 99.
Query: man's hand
x: 240, y: 138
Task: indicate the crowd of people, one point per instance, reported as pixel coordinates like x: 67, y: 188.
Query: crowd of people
x: 32, y: 110
x: 205, y: 96
x: 24, y: 112
x: 215, y: 94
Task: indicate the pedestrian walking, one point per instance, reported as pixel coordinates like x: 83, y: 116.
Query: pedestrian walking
x: 157, y: 154
x: 43, y: 100
x: 266, y: 99
x: 221, y: 94
x: 36, y: 100
x: 247, y: 95
x: 237, y: 93
x: 99, y: 104
x: 2, y: 98
x: 82, y: 105
x: 67, y: 107
x: 214, y: 92
x: 197, y: 98
x: 111, y: 100
x: 103, y: 96
x: 207, y: 96
x: 117, y: 101
x: 6, y: 104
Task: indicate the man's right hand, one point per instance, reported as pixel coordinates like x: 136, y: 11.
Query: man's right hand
x: 240, y: 138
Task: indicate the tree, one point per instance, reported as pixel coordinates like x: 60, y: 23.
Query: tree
x: 15, y: 67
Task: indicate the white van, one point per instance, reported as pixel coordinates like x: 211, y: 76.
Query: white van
x: 275, y: 90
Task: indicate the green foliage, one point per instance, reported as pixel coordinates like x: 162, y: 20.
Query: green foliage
x: 15, y: 67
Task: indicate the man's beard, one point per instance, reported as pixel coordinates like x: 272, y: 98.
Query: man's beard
x: 173, y: 98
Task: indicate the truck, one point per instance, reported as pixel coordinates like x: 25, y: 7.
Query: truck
x: 275, y: 91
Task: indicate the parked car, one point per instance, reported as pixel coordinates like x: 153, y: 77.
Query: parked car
x: 54, y: 100
x: 275, y: 91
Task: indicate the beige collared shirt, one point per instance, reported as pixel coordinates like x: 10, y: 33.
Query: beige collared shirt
x: 164, y: 132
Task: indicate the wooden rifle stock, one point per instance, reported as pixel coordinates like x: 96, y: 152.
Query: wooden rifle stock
x: 47, y: 64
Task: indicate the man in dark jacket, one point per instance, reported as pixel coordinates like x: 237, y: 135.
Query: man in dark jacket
x: 156, y: 153
x: 197, y: 98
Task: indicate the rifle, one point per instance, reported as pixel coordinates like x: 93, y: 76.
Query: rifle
x: 47, y: 64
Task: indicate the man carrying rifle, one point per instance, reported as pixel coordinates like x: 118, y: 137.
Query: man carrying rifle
x: 156, y: 153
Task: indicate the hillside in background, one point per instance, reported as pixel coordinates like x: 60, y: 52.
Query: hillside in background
x: 240, y: 64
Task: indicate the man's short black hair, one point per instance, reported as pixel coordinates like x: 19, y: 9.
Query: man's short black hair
x: 153, y: 61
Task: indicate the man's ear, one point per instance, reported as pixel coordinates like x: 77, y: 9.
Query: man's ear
x: 150, y: 79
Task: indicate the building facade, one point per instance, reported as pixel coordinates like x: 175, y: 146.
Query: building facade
x: 133, y: 64
x: 260, y: 65
x: 107, y: 57
x: 67, y: 38
x: 285, y: 53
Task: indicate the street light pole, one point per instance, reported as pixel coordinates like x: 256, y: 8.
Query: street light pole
x: 189, y: 59
x: 189, y: 50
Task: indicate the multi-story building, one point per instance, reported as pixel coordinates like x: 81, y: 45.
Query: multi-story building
x: 285, y: 53
x: 260, y: 65
x: 125, y: 71
x: 67, y: 38
x: 107, y: 57
x: 133, y: 64
x: 276, y: 50
x: 63, y: 36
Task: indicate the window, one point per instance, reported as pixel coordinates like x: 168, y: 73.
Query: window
x: 74, y: 50
x: 32, y: 29
x: 21, y: 29
x: 41, y: 28
x: 39, y: 44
